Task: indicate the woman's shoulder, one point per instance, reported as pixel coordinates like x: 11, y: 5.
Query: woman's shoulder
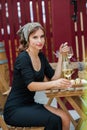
x: 22, y: 59
x: 23, y: 56
x: 23, y: 53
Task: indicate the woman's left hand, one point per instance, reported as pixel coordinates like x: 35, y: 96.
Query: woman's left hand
x: 64, y: 48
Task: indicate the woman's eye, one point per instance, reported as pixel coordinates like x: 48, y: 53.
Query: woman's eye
x: 35, y: 37
x: 42, y: 36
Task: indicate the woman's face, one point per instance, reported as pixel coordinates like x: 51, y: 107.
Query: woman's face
x: 37, y: 39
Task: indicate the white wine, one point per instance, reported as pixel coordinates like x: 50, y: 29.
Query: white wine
x: 69, y: 55
x: 67, y: 73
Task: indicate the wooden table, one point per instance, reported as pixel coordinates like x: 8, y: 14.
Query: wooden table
x: 73, y: 97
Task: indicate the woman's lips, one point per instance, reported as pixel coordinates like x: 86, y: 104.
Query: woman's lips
x: 39, y: 44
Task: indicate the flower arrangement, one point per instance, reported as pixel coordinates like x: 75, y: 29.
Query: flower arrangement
x: 81, y: 66
x: 82, y: 70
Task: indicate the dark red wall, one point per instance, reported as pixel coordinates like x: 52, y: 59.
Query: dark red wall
x: 64, y: 26
x: 61, y: 22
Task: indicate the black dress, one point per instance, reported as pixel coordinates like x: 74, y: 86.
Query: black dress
x: 20, y: 108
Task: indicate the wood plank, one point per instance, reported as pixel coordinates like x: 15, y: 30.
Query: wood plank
x: 2, y: 124
x: 66, y: 93
x: 2, y: 100
x: 77, y: 108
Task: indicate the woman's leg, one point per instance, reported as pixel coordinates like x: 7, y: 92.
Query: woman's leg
x: 65, y: 118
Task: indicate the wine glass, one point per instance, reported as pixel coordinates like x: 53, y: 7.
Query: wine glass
x: 67, y: 69
x: 70, y: 52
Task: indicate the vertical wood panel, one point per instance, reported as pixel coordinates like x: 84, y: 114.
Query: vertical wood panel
x: 48, y: 31
x: 16, y: 26
x: 27, y: 11
x: 79, y: 31
x: 11, y: 42
x: 84, y: 10
x: 0, y: 19
x: 35, y: 6
x: 23, y: 11
x: 40, y: 12
x: 12, y: 28
x: 5, y: 36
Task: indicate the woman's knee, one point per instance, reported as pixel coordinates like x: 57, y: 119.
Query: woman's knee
x: 66, y: 119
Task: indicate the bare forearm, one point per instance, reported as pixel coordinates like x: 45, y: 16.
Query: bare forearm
x: 56, y: 84
x: 40, y: 86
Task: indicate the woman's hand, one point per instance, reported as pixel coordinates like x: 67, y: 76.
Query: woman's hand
x: 62, y: 83
x: 64, y: 48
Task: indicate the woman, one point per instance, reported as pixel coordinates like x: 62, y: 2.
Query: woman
x: 30, y: 69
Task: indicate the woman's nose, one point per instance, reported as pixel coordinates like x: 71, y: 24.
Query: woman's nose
x: 39, y: 39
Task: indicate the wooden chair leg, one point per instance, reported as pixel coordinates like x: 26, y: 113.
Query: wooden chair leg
x: 2, y: 124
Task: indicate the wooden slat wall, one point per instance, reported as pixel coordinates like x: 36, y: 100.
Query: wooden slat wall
x: 9, y: 18
x: 64, y: 26
x: 80, y: 31
x: 48, y: 28
x: 9, y: 10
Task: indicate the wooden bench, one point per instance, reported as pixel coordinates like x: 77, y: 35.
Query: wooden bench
x: 4, y: 126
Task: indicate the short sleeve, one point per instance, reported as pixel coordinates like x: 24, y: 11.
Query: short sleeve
x: 48, y: 70
x: 24, y: 64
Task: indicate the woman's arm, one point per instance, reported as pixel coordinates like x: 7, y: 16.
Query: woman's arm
x: 55, y: 84
x: 62, y: 51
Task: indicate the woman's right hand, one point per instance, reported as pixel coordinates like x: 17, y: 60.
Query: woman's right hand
x: 62, y: 83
